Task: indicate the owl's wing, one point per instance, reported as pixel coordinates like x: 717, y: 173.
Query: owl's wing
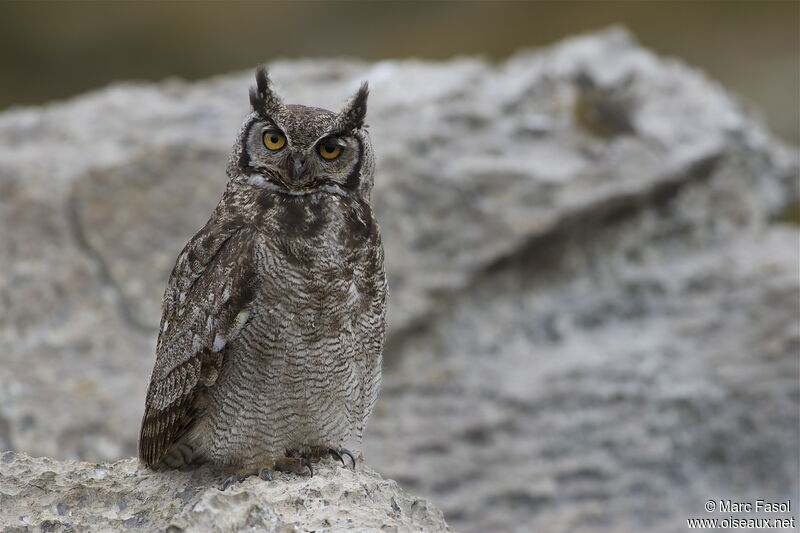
x: 205, y: 306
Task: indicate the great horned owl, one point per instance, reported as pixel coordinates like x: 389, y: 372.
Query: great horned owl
x: 270, y: 347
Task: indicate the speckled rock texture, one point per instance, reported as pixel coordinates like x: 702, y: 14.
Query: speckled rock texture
x: 40, y: 494
x: 595, y: 333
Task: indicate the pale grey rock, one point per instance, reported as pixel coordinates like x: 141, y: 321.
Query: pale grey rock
x: 41, y: 494
x: 585, y: 333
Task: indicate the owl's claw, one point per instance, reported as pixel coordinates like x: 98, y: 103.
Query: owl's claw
x: 265, y: 474
x: 236, y: 478
x: 337, y: 455
x: 343, y: 451
x: 305, y: 462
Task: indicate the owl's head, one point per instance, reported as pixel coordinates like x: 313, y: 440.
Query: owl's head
x: 298, y: 150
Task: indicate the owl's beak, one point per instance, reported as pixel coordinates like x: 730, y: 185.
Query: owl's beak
x: 297, y: 166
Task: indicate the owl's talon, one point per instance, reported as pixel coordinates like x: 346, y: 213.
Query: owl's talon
x: 337, y: 455
x: 348, y: 453
x: 305, y: 462
x: 265, y: 474
x: 236, y: 478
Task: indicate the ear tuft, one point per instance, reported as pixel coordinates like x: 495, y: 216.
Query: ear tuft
x: 264, y: 101
x: 353, y: 114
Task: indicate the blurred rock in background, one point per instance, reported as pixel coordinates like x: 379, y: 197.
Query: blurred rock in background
x: 591, y: 327
x: 53, y: 50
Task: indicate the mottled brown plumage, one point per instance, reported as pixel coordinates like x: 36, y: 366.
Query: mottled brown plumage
x: 274, y: 316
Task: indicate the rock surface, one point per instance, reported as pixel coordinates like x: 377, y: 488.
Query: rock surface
x: 594, y: 333
x: 75, y: 496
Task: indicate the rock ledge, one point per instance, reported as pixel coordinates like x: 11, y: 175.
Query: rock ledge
x: 79, y: 496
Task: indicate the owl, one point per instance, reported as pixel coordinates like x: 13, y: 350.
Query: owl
x: 271, y: 338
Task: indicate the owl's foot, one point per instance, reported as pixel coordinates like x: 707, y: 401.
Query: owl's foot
x: 307, y: 463
x: 235, y: 478
x: 336, y: 455
x: 295, y: 465
x: 265, y: 474
x: 343, y: 451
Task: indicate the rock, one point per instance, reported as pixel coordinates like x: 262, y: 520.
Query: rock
x: 586, y: 331
x: 77, y: 496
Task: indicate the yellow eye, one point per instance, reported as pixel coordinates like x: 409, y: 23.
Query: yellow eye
x: 274, y: 140
x: 329, y: 151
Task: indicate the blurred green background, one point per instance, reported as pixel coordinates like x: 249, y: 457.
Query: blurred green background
x: 59, y: 49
